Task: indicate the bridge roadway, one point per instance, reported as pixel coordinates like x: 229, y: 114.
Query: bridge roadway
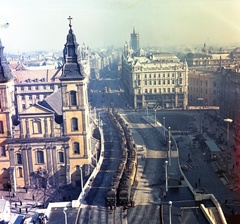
x: 93, y: 209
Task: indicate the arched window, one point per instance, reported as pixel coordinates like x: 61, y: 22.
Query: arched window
x: 37, y: 129
x: 76, y: 148
x: 39, y: 157
x: 19, y: 158
x: 74, y: 122
x: 20, y: 172
x: 60, y: 157
x: 73, y: 98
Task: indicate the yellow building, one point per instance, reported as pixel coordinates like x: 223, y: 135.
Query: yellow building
x: 7, y: 112
x: 50, y: 141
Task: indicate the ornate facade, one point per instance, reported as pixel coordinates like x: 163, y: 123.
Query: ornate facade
x: 50, y: 140
x: 158, y: 80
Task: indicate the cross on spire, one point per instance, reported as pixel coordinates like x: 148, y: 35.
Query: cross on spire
x: 70, y: 21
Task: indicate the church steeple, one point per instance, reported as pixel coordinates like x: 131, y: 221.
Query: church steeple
x: 71, y: 68
x: 5, y: 72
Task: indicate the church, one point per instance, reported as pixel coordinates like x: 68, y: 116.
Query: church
x: 47, y: 143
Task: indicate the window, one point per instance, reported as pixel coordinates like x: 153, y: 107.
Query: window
x: 139, y: 82
x: 145, y: 83
x: 60, y: 157
x: 145, y: 76
x: 150, y: 83
x: 159, y: 82
x: 180, y: 81
x: 154, y: 75
x: 23, y: 106
x: 168, y: 82
x: 37, y: 129
x: 37, y: 97
x: 163, y: 82
x: 168, y: 75
x: 73, y: 98
x: 29, y: 87
x: 76, y: 148
x: 22, y: 88
x: 173, y: 75
x: 2, y: 151
x: 172, y: 81
x: 20, y: 172
x: 1, y: 127
x: 40, y: 157
x: 74, y: 122
x: 173, y: 90
x: 30, y: 97
x: 163, y: 75
x: 36, y: 87
x: 146, y: 91
x: 154, y: 82
x: 164, y: 90
x: 168, y: 90
x: 23, y: 97
x: 19, y: 158
x: 155, y: 90
x: 150, y: 76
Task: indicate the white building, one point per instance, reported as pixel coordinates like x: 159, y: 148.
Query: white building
x: 157, y: 80
x: 5, y: 211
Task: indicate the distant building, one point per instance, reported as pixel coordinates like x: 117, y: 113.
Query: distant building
x: 204, y: 84
x: 229, y: 95
x: 159, y: 80
x: 134, y: 41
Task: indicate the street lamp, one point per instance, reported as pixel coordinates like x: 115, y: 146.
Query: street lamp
x: 170, y: 212
x: 228, y: 121
x: 200, y: 128
x: 164, y: 128
x: 155, y: 116
x: 65, y: 214
x: 81, y: 179
x: 147, y: 111
x: 169, y: 146
x: 166, y: 174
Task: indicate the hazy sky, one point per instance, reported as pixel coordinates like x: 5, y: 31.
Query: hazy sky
x: 43, y: 24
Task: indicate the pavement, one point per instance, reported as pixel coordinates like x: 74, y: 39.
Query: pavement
x: 27, y: 202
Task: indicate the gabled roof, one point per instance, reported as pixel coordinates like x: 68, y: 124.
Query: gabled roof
x: 54, y: 102
x: 35, y: 110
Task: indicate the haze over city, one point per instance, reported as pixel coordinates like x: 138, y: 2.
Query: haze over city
x: 42, y: 25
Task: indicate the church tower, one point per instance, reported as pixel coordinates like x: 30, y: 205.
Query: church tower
x: 75, y: 107
x: 7, y: 112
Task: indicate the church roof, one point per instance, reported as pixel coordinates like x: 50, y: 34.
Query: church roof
x: 71, y: 68
x: 54, y: 102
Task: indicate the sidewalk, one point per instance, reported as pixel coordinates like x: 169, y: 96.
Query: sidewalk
x: 230, y: 153
x: 27, y: 202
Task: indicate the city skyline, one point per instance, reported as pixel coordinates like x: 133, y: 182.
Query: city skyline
x: 42, y: 25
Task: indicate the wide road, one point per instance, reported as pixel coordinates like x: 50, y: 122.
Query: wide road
x: 151, y: 175
x: 150, y: 172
